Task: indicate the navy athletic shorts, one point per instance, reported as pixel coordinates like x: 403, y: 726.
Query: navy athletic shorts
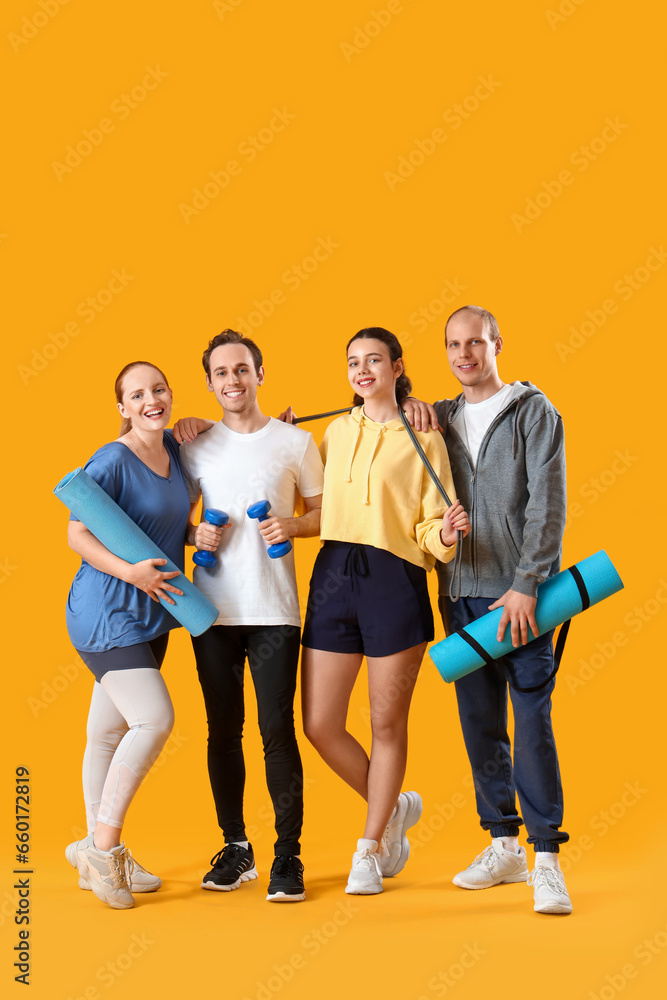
x: 366, y: 600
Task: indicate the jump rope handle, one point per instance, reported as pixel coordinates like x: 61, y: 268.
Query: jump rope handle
x: 212, y: 516
x: 260, y: 510
x: 456, y: 575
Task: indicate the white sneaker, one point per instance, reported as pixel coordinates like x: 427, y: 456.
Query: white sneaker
x: 365, y: 878
x: 104, y: 871
x: 549, y: 892
x: 70, y: 854
x: 396, y: 845
x: 137, y: 877
x: 494, y: 866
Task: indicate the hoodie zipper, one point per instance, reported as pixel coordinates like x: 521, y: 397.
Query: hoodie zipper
x: 472, y: 513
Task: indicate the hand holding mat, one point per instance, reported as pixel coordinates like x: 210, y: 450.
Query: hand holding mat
x: 113, y: 528
x: 558, y: 599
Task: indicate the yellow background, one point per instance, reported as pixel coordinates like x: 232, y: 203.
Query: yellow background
x: 359, y: 102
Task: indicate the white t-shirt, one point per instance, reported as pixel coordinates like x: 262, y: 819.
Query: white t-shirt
x: 474, y: 419
x: 231, y: 471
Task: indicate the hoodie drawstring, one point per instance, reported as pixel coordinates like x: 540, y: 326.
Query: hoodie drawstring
x: 348, y: 477
x: 515, y: 425
x: 381, y: 430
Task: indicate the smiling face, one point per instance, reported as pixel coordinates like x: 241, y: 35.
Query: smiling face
x: 145, y: 398
x: 371, y: 371
x: 471, y: 352
x: 233, y: 378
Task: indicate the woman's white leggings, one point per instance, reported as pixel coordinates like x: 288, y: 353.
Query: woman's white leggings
x: 130, y: 718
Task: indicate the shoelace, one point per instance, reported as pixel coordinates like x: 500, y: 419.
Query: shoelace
x: 286, y: 866
x: 366, y: 861
x: 117, y: 870
x: 131, y: 865
x: 488, y: 857
x: 551, y: 876
x: 228, y: 856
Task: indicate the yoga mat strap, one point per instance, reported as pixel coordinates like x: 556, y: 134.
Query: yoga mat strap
x: 560, y: 645
x: 581, y: 587
x: 488, y: 659
x: 558, y: 653
x: 562, y: 634
x: 475, y: 645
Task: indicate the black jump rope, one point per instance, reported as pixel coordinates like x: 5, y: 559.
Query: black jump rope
x: 456, y: 575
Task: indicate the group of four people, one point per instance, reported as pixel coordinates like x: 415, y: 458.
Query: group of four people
x: 383, y: 524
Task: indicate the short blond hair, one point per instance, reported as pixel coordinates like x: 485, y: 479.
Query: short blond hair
x: 489, y: 321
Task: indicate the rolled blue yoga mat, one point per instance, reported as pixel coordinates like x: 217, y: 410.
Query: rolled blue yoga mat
x: 558, y: 599
x: 111, y: 525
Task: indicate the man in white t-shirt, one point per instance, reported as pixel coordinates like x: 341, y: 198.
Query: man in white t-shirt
x: 506, y: 449
x: 245, y: 458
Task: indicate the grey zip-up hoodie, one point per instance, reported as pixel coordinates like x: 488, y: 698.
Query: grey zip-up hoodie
x: 515, y: 496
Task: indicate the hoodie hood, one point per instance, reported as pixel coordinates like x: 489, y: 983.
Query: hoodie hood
x: 521, y: 391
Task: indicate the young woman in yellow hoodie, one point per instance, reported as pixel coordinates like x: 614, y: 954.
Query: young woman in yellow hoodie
x: 384, y: 524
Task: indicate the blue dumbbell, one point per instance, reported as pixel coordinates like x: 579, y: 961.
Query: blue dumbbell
x: 212, y: 516
x: 260, y: 510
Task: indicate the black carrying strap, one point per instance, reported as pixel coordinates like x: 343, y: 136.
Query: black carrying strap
x: 560, y: 642
x: 441, y: 490
x: 318, y: 416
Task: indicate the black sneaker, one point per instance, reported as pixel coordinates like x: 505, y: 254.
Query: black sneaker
x: 286, y: 880
x: 231, y: 866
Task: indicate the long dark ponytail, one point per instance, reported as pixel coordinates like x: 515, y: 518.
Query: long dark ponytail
x: 391, y: 342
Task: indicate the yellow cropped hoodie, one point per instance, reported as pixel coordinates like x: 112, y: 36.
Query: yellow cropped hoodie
x: 378, y: 492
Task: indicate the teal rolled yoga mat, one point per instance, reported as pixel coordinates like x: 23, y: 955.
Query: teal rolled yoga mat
x: 558, y: 599
x: 111, y: 525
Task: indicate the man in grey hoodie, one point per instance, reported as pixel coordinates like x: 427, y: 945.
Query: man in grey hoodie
x: 505, y: 444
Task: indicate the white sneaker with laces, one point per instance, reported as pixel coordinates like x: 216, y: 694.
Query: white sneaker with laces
x: 365, y: 877
x: 71, y: 855
x: 396, y: 845
x: 137, y: 877
x: 494, y: 866
x: 105, y: 872
x: 549, y: 892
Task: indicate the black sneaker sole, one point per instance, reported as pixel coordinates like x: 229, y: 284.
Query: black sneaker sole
x: 246, y: 877
x: 279, y: 896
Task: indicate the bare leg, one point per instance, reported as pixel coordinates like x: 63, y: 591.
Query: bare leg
x: 327, y: 680
x: 391, y: 681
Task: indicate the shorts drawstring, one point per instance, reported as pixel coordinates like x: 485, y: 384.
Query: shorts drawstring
x: 356, y: 562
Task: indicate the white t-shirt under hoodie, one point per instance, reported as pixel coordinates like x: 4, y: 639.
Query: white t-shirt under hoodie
x: 231, y: 471
x: 474, y: 419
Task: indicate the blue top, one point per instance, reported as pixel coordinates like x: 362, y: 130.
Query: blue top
x: 103, y: 611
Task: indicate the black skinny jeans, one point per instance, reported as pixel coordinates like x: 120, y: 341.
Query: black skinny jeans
x: 272, y: 652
